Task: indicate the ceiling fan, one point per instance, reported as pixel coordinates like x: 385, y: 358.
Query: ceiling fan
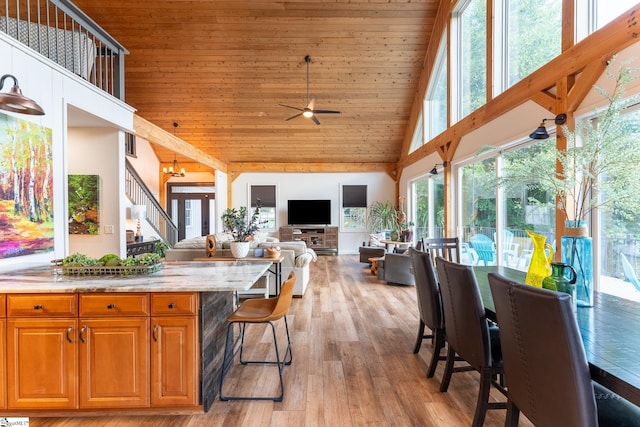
x: 309, y: 111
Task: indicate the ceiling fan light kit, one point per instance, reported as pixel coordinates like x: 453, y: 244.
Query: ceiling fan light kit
x: 309, y: 111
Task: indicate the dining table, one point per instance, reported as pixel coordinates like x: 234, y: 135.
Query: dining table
x: 610, y: 332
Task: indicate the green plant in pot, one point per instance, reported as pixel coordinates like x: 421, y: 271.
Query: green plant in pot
x: 236, y: 222
x: 382, y: 216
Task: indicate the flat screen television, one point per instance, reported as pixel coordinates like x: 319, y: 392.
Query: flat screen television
x: 309, y: 212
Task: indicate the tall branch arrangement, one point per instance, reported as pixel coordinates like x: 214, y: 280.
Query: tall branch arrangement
x: 602, y: 158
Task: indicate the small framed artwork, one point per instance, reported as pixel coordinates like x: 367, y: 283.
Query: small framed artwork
x: 84, y: 204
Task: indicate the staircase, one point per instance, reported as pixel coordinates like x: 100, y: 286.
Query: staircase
x: 139, y: 194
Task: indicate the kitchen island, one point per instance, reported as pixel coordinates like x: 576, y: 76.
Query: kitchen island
x: 149, y: 343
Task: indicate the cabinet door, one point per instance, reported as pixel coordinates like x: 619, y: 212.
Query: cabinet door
x: 114, y: 362
x: 3, y: 372
x: 42, y: 364
x: 174, y: 361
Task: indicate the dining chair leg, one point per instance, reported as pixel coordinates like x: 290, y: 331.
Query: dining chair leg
x: 438, y: 345
x: 483, y: 398
x: 513, y: 413
x: 448, y: 370
x: 416, y: 349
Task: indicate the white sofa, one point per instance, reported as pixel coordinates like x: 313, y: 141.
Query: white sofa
x: 297, y: 258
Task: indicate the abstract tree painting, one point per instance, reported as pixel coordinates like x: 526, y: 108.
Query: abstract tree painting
x: 26, y: 188
x: 84, y: 204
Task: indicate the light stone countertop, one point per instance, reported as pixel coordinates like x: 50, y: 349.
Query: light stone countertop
x: 173, y: 277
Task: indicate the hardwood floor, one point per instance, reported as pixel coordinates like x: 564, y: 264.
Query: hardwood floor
x: 353, y: 365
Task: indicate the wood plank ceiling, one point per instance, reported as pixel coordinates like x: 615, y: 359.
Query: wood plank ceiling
x: 220, y: 69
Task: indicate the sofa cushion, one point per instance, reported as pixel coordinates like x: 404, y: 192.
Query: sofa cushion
x: 192, y: 243
x: 299, y: 248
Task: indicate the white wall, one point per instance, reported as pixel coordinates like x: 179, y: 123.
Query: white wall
x: 59, y: 91
x: 380, y: 187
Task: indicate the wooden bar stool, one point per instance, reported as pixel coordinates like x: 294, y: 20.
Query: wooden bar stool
x: 259, y: 310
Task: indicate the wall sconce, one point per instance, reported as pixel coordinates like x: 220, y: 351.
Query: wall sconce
x: 138, y: 212
x: 175, y: 170
x: 434, y: 171
x: 15, y: 101
x: 541, y: 131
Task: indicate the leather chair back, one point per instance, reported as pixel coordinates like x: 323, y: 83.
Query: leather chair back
x: 466, y: 328
x: 447, y: 248
x: 427, y: 289
x: 544, y: 360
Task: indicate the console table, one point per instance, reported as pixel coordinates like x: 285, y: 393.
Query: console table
x: 318, y: 238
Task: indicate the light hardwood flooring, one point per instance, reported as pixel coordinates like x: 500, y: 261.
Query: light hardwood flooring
x: 353, y: 365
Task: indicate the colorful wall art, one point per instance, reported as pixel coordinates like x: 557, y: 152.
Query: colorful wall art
x: 26, y: 188
x: 84, y: 204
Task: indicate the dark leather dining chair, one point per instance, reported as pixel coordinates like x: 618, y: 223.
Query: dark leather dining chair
x: 468, y: 334
x: 429, y: 306
x: 445, y: 247
x: 545, y: 363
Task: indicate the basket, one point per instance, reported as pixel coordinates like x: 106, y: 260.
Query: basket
x: 103, y: 270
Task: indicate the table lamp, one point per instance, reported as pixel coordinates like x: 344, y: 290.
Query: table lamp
x: 138, y: 212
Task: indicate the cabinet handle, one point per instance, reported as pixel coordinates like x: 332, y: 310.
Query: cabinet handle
x: 84, y: 328
x: 38, y: 307
x: 111, y: 306
x: 69, y: 334
x: 155, y: 332
x: 172, y: 305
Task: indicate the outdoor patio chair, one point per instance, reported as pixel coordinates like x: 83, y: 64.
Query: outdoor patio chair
x: 484, y: 247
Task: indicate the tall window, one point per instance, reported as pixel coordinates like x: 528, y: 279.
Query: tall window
x: 354, y: 207
x: 428, y: 205
x: 527, y: 206
x: 477, y: 203
x: 436, y: 99
x: 472, y: 57
x: 418, y: 135
x: 532, y: 36
x: 267, y: 196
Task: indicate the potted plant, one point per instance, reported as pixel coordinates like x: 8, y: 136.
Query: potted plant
x: 598, y: 170
x: 381, y: 216
x: 242, y: 229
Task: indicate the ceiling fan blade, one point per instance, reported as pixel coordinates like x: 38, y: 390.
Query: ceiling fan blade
x: 311, y: 103
x: 315, y: 120
x: 293, y: 117
x: 289, y: 106
x: 326, y: 112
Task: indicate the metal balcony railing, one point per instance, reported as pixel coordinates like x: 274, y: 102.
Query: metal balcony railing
x: 60, y: 31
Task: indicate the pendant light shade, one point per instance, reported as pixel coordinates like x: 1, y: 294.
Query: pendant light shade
x: 15, y: 101
x: 541, y: 131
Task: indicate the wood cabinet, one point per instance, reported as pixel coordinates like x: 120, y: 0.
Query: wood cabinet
x: 41, y: 351
x: 174, y: 349
x: 99, y: 351
x: 114, y: 362
x: 320, y: 239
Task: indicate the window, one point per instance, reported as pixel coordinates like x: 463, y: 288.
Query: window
x: 530, y: 39
x: 354, y: 207
x: 472, y: 57
x: 477, y: 203
x: 418, y: 135
x: 267, y: 196
x: 435, y: 108
x: 428, y: 203
x: 130, y: 144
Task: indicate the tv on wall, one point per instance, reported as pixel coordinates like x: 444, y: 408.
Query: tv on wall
x: 309, y: 212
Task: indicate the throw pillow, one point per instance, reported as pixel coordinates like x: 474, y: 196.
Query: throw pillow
x: 375, y: 239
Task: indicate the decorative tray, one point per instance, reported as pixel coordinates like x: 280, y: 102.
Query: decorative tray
x: 102, y: 270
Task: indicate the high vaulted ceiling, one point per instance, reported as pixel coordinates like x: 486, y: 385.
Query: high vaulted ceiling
x: 220, y: 69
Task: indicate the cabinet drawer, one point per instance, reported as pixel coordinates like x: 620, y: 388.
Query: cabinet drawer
x: 114, y: 304
x: 42, y: 305
x: 174, y: 303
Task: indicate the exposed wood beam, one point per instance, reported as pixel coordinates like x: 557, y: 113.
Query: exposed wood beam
x: 236, y: 169
x: 155, y: 135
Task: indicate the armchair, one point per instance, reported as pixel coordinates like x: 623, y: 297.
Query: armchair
x: 396, y: 268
